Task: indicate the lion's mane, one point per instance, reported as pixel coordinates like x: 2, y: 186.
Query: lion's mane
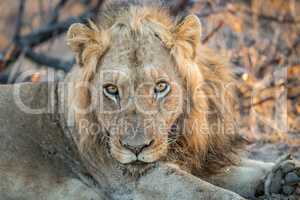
x: 207, y: 139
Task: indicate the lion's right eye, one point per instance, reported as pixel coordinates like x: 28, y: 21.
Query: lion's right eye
x: 111, y: 91
x: 161, y: 89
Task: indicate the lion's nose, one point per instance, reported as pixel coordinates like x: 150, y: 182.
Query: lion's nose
x: 136, y: 149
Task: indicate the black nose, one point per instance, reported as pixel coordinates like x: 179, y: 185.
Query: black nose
x: 136, y: 149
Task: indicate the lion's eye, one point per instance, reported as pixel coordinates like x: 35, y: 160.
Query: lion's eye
x: 111, y: 91
x: 161, y: 89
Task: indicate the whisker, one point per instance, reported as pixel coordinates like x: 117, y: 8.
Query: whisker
x: 172, y: 141
x: 117, y: 150
x: 159, y: 149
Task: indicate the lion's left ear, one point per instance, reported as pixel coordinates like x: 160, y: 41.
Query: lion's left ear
x: 188, y: 36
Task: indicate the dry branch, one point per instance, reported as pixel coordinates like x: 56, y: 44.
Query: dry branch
x: 283, y: 20
x: 180, y: 7
x: 49, y: 61
x: 216, y: 29
x: 43, y: 34
x: 55, y: 14
x: 19, y: 20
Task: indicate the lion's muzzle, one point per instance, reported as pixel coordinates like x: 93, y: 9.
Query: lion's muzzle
x: 136, y: 149
x: 128, y: 150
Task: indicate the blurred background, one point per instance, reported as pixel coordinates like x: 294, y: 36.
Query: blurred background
x: 261, y: 38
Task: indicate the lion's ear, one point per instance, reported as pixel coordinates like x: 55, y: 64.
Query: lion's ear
x: 78, y: 37
x: 86, y: 41
x: 188, y: 36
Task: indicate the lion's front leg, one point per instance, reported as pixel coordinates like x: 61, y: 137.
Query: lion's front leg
x: 167, y: 182
x: 256, y: 179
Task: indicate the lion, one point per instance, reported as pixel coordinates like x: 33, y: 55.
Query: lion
x: 157, y: 96
x: 147, y: 113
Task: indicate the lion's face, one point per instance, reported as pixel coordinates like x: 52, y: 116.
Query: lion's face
x: 139, y: 98
x: 143, y: 73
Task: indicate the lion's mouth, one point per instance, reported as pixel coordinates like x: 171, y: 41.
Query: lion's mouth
x: 137, y: 168
x: 139, y: 163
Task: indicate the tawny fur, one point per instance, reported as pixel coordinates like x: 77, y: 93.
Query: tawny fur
x: 207, y: 76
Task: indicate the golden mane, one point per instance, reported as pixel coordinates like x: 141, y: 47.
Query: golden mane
x: 207, y: 148
x: 208, y: 140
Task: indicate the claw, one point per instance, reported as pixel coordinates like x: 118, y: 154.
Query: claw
x: 292, y: 178
x: 283, y: 158
x: 271, y: 175
x: 275, y: 184
x: 282, y: 161
x: 288, y: 166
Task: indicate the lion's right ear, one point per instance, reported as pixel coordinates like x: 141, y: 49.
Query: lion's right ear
x: 78, y: 37
x: 86, y: 42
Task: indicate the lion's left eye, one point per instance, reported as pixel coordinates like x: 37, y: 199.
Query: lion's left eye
x: 161, y: 89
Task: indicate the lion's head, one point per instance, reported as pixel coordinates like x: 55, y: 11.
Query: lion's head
x: 150, y: 92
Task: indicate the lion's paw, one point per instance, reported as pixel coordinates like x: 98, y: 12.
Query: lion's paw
x: 283, y: 181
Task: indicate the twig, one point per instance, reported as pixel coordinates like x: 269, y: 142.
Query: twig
x: 44, y: 34
x: 19, y: 21
x: 96, y: 9
x: 270, y: 98
x: 294, y: 96
x: 85, y: 2
x: 41, y: 12
x: 49, y: 31
x: 284, y: 20
x: 55, y: 13
x: 293, y: 47
x: 258, y: 103
x: 49, y: 61
x: 216, y: 29
x: 207, y: 13
x: 272, y: 55
x: 180, y: 7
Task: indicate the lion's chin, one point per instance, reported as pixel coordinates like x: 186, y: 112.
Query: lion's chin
x: 137, y: 168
